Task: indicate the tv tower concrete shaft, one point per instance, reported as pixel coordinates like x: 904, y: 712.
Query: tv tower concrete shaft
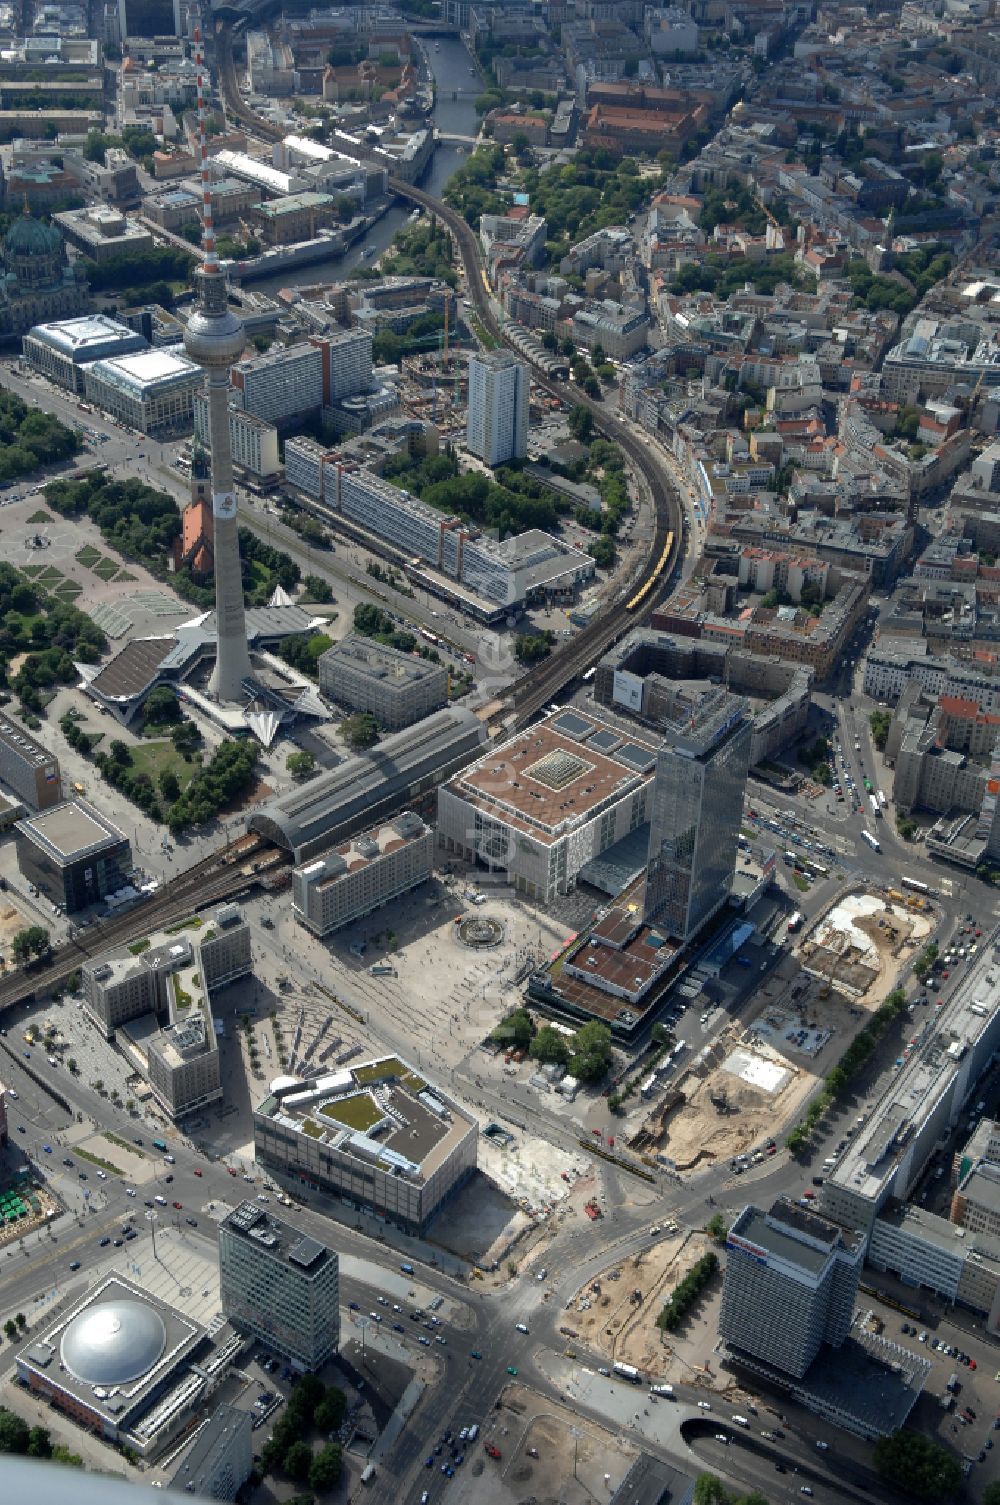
x: 214, y: 338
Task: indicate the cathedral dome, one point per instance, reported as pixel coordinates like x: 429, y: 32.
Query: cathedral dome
x: 32, y: 237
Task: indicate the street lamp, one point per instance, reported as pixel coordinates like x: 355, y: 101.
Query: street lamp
x: 151, y: 1220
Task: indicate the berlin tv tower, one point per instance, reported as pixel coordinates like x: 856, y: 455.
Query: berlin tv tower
x: 214, y: 339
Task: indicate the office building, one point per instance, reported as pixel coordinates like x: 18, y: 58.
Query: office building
x: 280, y: 1286
x: 219, y: 1461
x: 214, y: 338
x: 376, y: 1135
x: 497, y: 422
x: 396, y: 688
x: 254, y: 443
x: 363, y: 874
x: 541, y: 805
x: 27, y: 768
x: 73, y: 854
x: 922, y: 1101
x: 927, y: 1252
x: 791, y: 1279
x: 152, y: 392
x: 701, y: 772
x: 280, y: 387
x: 61, y: 351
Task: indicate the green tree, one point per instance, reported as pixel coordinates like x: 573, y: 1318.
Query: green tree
x: 39, y: 1445
x: 317, y: 589
x: 13, y: 1432
x: 880, y: 722
x: 991, y: 1493
x: 33, y: 941
x: 359, y: 731
x: 531, y: 647
x: 300, y: 763
x: 918, y: 1466
x: 590, y: 1052
x: 21, y: 1321
x: 161, y: 706
x: 549, y: 1046
x: 10, y: 1328
x: 326, y: 1468
x: 298, y: 1460
x: 331, y: 1410
x: 168, y: 784
x: 580, y: 423
x: 517, y: 1030
x: 119, y: 752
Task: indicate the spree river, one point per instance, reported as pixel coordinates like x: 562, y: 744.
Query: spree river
x: 450, y: 63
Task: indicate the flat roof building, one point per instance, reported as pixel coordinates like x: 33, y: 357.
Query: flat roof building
x: 27, y: 768
x: 539, y: 806
x: 62, y: 349
x: 363, y: 874
x: 219, y: 1461
x: 280, y: 1285
x: 376, y: 1135
x: 72, y: 853
x: 396, y: 688
x: 102, y: 233
x: 922, y: 1100
x: 152, y: 391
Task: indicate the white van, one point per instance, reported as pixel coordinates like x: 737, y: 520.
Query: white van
x: 474, y: 1431
x: 160, y: 1201
x: 740, y: 1421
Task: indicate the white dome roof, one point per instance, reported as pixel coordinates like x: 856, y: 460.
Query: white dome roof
x: 113, y: 1342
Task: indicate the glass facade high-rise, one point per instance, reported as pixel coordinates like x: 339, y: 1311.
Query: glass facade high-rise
x: 701, y: 772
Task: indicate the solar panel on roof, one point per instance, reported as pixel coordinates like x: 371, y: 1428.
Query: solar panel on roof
x: 572, y: 725
x: 604, y: 741
x: 635, y: 756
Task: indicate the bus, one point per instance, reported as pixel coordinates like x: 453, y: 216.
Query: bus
x: 159, y: 1144
x: 795, y: 922
x: 915, y: 885
x: 872, y: 841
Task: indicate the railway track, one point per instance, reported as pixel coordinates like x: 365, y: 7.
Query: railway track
x: 220, y: 876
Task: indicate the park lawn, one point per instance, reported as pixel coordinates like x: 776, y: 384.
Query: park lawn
x: 32, y: 570
x: 50, y: 576
x: 38, y: 518
x: 68, y: 591
x: 88, y: 556
x: 154, y: 757
x: 105, y: 568
x: 123, y: 578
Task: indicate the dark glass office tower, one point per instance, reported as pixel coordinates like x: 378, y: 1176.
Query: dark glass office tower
x: 701, y: 771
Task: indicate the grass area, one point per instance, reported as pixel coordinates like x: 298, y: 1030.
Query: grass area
x: 50, y: 576
x: 105, y: 569
x: 68, y: 591
x: 312, y: 1129
x: 138, y: 947
x: 802, y: 884
x: 359, y: 1112
x: 193, y: 922
x: 377, y: 1073
x: 155, y: 758
x: 31, y: 570
x: 414, y: 1083
x: 40, y: 517
x: 124, y: 578
x: 182, y: 998
x: 87, y: 556
x: 481, y: 333
x: 102, y: 1165
x: 123, y: 1144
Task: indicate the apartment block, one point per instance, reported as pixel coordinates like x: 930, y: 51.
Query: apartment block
x: 280, y: 1286
x: 254, y: 442
x: 363, y: 874
x: 280, y: 387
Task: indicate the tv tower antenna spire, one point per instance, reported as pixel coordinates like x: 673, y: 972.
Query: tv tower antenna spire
x: 214, y: 339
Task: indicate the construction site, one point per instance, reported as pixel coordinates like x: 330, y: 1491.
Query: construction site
x: 753, y: 1076
x: 616, y: 1314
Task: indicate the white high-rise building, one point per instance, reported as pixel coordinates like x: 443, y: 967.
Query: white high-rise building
x: 497, y: 423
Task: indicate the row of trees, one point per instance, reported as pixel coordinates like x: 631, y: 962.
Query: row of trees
x: 838, y: 1080
x: 531, y: 647
x: 710, y: 1490
x: 512, y: 503
x: 426, y: 250
x: 128, y: 269
x: 303, y: 651
x: 31, y: 1442
x: 49, y: 632
x: 687, y: 1292
x: 373, y: 622
x: 586, y: 1055
x: 880, y: 722
x: 30, y: 944
x: 923, y: 1468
